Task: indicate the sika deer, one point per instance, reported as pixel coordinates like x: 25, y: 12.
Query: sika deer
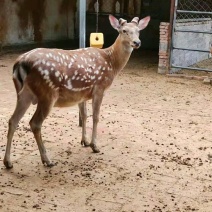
x: 60, y: 78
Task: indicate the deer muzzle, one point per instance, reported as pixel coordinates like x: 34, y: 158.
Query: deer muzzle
x: 136, y: 44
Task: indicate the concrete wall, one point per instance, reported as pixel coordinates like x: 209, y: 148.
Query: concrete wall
x: 192, y: 41
x: 40, y: 21
x: 36, y: 21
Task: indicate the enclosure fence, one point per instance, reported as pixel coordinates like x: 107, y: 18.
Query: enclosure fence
x: 192, y: 35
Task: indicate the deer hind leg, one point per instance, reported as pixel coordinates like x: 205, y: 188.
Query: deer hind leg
x: 43, y: 109
x: 83, y: 114
x: 96, y: 104
x: 24, y: 99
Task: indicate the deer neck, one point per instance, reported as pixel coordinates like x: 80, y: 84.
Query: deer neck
x: 119, y: 54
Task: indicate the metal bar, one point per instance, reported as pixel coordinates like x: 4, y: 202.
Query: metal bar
x: 82, y: 20
x: 82, y: 32
x: 192, y: 68
x: 193, y: 31
x: 170, y: 29
x: 173, y: 27
x: 196, y: 50
x: 194, y: 12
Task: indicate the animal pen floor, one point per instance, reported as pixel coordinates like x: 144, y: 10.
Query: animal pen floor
x: 155, y: 141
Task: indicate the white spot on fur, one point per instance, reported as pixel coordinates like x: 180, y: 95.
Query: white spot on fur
x: 69, y: 65
x: 46, y: 77
x: 50, y: 84
x: 48, y: 80
x: 46, y: 72
x: 88, y: 70
x: 38, y: 62
x: 69, y: 85
x: 57, y: 74
x: 96, y: 72
x: 40, y: 69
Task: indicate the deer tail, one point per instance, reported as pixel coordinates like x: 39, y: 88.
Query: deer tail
x: 19, y: 75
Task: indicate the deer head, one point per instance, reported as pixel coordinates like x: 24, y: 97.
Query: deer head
x: 129, y: 32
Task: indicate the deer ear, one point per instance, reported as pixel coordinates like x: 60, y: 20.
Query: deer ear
x: 143, y: 22
x: 114, y: 22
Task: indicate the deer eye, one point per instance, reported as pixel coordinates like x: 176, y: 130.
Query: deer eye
x: 124, y: 31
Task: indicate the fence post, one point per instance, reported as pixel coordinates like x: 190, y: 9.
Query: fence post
x: 163, y: 65
x: 82, y: 32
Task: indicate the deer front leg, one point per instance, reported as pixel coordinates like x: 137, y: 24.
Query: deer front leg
x: 96, y: 103
x: 41, y: 113
x: 83, y: 115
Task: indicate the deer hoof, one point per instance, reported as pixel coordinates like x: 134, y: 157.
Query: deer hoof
x: 94, y: 148
x: 50, y: 165
x: 8, y: 164
x: 85, y: 143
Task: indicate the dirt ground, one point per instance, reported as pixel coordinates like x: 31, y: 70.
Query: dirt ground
x: 155, y: 140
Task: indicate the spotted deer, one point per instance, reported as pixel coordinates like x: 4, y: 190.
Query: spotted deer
x: 61, y: 78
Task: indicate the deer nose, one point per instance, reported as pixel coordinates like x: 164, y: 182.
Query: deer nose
x: 137, y: 43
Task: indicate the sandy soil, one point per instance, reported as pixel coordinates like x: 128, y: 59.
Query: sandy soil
x: 155, y: 141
